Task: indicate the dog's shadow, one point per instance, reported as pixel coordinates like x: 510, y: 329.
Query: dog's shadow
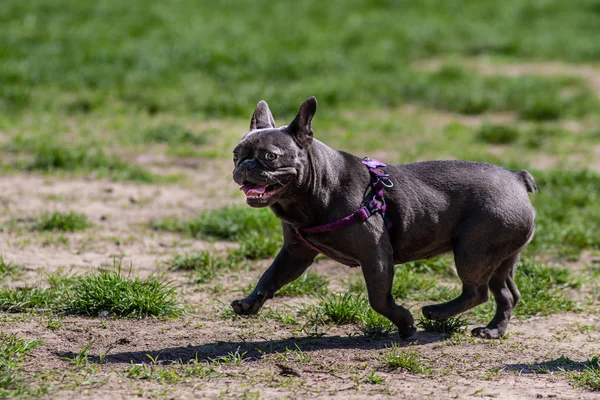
x: 560, y: 364
x: 255, y: 350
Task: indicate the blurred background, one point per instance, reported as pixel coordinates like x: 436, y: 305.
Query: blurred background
x: 148, y: 91
x: 117, y: 122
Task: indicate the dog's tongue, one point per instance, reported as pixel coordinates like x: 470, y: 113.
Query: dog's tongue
x: 251, y: 189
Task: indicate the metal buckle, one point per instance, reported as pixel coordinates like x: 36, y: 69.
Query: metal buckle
x: 387, y: 183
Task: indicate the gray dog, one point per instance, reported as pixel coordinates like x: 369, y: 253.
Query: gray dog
x: 478, y: 211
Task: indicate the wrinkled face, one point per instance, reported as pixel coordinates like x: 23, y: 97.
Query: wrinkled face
x: 268, y: 166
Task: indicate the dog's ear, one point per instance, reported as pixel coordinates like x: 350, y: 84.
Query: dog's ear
x: 301, y: 127
x: 262, y: 117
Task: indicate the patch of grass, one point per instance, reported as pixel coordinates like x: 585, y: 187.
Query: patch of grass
x: 173, y: 135
x: 590, y: 376
x: 48, y: 155
x: 109, y: 291
x: 257, y: 230
x: 13, y: 350
x: 50, y: 298
x: 568, y: 208
x: 408, y: 360
x: 355, y: 284
x: 145, y: 63
x: 339, y: 309
x: 174, y: 373
x: 309, y: 283
x: 442, y: 266
x: 7, y: 269
x: 497, y: 134
x: 205, y: 265
x: 451, y: 325
x: 375, y: 324
x: 65, y: 222
x: 21, y: 299
x: 408, y: 283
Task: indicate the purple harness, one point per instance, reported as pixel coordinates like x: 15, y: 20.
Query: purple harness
x: 380, y: 180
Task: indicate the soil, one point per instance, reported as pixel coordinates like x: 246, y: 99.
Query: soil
x: 336, y: 360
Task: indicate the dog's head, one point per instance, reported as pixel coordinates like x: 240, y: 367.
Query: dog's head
x: 271, y: 163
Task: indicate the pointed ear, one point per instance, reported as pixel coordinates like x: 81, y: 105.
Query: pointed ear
x: 301, y: 127
x: 262, y: 117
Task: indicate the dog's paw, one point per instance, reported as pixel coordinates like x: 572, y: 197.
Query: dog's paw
x: 434, y: 312
x: 486, y: 333
x: 247, y: 306
x: 407, y: 332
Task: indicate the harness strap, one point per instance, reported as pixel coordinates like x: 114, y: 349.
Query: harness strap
x: 380, y: 181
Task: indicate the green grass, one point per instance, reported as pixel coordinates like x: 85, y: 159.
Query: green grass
x: 22, y: 299
x: 7, y: 269
x: 375, y: 324
x: 542, y: 291
x: 110, y: 292
x: 46, y: 154
x: 309, y: 284
x: 338, y: 309
x: 407, y: 360
x: 100, y: 293
x: 346, y: 52
x: 205, y: 265
x: 173, y: 135
x: 451, y: 325
x: 65, y: 222
x: 13, y: 350
x: 411, y: 284
x: 568, y: 211
x: 590, y: 376
x: 498, y: 134
x: 257, y: 230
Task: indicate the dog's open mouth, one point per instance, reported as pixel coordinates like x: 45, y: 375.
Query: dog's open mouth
x: 256, y: 191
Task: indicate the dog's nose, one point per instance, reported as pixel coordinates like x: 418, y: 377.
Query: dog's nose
x: 248, y: 164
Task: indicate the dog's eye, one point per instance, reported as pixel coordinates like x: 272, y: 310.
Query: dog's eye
x: 270, y: 156
x: 236, y: 156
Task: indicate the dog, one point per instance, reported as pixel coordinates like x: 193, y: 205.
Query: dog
x: 480, y: 212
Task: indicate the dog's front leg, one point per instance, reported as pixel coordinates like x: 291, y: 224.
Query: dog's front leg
x: 379, y: 275
x: 293, y: 259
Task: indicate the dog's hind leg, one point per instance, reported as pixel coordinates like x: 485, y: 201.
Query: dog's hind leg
x: 474, y: 270
x: 506, y: 294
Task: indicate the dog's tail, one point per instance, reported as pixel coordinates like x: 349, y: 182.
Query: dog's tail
x: 527, y: 180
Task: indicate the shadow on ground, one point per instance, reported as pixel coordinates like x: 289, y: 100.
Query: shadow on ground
x: 256, y: 350
x: 560, y: 364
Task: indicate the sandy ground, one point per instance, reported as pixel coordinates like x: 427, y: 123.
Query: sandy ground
x: 334, y: 365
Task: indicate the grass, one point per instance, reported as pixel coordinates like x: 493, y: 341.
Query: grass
x: 64, y: 222
x: 13, y: 350
x: 542, y: 291
x: 46, y: 154
x: 338, y: 309
x: 309, y: 283
x: 568, y: 208
x: 257, y: 230
x: 205, y: 265
x: 347, y: 53
x: 7, y: 269
x: 229, y: 223
x: 498, y: 134
x: 407, y: 360
x: 110, y: 292
x: 451, y: 325
x: 106, y: 292
x: 590, y: 376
